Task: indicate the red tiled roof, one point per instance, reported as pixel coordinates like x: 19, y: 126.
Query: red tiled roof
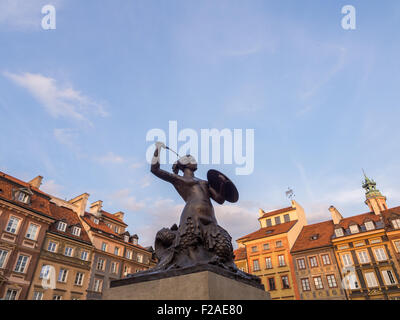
x: 269, y: 231
x: 240, y: 253
x: 390, y: 213
x: 358, y: 219
x: 71, y: 218
x: 39, y: 200
x: 112, y: 216
x: 323, y: 230
x: 272, y: 213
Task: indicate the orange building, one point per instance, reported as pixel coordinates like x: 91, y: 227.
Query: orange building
x: 268, y: 250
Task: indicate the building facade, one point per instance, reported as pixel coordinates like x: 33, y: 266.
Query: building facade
x: 268, y: 250
x: 116, y: 253
x: 24, y: 219
x: 365, y: 252
x: 63, y: 269
x: 315, y: 265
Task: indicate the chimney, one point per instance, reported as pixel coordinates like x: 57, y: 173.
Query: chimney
x: 336, y: 216
x: 80, y: 203
x: 261, y: 212
x: 95, y: 208
x: 36, y: 182
x: 119, y: 215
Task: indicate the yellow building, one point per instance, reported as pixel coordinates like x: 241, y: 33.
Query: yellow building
x: 63, y: 269
x: 268, y: 250
x: 364, y: 251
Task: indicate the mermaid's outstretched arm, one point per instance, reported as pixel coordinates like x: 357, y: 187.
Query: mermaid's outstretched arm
x: 157, y: 171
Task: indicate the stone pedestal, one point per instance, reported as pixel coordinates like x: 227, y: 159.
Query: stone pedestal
x: 193, y: 283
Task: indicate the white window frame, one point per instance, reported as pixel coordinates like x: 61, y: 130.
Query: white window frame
x: 37, y: 295
x: 13, y: 224
x: 369, y: 225
x: 61, y: 226
x: 281, y: 260
x: 97, y: 285
x: 363, y: 256
x: 114, y: 267
x: 23, y: 197
x: 32, y: 235
x: 268, y: 262
x: 68, y: 251
x: 354, y: 228
x: 318, y: 284
x: 128, y: 254
x: 301, y: 263
x: 63, y: 275
x: 45, y: 272
x: 76, y: 231
x: 84, y: 255
x: 256, y: 265
x: 116, y: 251
x: 21, y: 265
x: 13, y: 293
x: 387, y: 275
x: 104, y: 246
x: 57, y: 297
x: 380, y: 254
x: 140, y: 257
x: 305, y: 284
x: 3, y: 257
x: 370, y: 279
x: 326, y: 259
x: 346, y: 259
x: 50, y: 246
x: 311, y: 259
x: 101, y: 263
x: 396, y: 223
x: 339, y: 232
x: 79, y: 278
x: 331, y: 279
x: 397, y: 245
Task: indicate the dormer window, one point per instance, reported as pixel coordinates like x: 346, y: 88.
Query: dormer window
x: 96, y: 221
x: 369, y: 225
x: 62, y: 226
x: 314, y: 236
x: 339, y: 232
x: 396, y: 223
x: 76, y: 231
x: 354, y: 228
x: 23, y: 197
x: 126, y: 238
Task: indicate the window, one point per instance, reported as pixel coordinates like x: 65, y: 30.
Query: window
x: 126, y: 238
x: 268, y: 263
x: 286, y: 218
x: 269, y: 223
x: 277, y: 220
x: 11, y: 294
x: 331, y: 281
x: 62, y: 275
x: 116, y: 229
x: 68, y: 251
x: 388, y: 277
x: 96, y: 221
x: 339, y: 232
x: 57, y: 297
x: 371, y: 279
x: 140, y: 258
x: 301, y: 264
x: 84, y: 255
x: 266, y: 246
x: 3, y: 256
x: 314, y: 237
x: 79, y: 278
x: 271, y: 283
x: 38, y: 295
x: 346, y: 259
x: 128, y: 254
x: 380, y: 254
x: 325, y: 259
x: 45, y: 272
x: 281, y: 260
x: 278, y: 244
x: 396, y: 223
x: 62, y: 226
x: 318, y: 283
x: 313, y: 262
x: 21, y: 263
x: 359, y: 244
x: 52, y: 246
x: 76, y: 231
x: 256, y: 265
x: 397, y: 245
x: 116, y: 251
x: 254, y: 249
x: 97, y: 286
x: 12, y: 225
x: 369, y: 225
x: 134, y: 241
x: 354, y: 228
x: 32, y: 231
x: 305, y: 284
x: 285, y: 282
x: 363, y: 256
x: 114, y: 267
x: 377, y: 240
x: 23, y: 197
x: 100, y: 264
x: 104, y: 246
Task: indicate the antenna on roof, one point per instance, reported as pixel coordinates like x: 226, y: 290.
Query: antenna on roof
x: 290, y: 194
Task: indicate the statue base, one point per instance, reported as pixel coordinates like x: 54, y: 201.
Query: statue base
x: 201, y: 282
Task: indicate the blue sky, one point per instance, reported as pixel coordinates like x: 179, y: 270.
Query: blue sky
x: 76, y: 102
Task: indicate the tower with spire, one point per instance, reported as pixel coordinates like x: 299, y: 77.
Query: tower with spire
x: 374, y: 198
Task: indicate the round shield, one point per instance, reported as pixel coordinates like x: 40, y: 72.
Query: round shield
x: 215, y: 178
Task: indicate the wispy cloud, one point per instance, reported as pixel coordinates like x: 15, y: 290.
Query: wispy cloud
x: 58, y: 101
x: 51, y: 187
x: 110, y: 158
